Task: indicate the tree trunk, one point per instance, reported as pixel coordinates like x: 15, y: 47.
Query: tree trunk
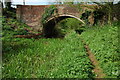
x: 110, y: 7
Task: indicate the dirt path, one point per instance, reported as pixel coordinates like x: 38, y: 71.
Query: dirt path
x: 97, y: 70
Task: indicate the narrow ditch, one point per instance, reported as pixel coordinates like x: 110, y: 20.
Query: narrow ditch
x: 97, y: 70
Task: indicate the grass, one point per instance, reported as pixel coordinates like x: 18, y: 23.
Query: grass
x: 60, y: 58
x: 103, y: 42
x: 47, y: 58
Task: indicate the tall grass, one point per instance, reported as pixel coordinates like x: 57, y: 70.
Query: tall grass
x: 47, y: 58
x: 103, y: 42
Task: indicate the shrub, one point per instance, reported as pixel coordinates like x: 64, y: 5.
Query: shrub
x: 48, y: 12
x: 10, y: 28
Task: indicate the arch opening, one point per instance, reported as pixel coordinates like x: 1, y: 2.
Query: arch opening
x: 49, y: 28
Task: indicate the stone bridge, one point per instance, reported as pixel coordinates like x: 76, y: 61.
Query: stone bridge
x: 32, y: 15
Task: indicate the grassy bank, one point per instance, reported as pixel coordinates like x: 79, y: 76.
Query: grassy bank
x: 103, y: 42
x: 47, y: 58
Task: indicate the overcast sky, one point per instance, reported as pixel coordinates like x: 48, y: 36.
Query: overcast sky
x: 46, y: 2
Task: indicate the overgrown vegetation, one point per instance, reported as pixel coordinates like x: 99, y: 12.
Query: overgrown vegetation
x: 107, y: 9
x: 48, y: 12
x: 9, y: 13
x: 47, y: 58
x: 65, y: 25
x: 103, y: 42
x: 55, y: 57
x: 11, y: 28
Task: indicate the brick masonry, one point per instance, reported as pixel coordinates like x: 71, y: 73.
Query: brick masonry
x: 31, y: 14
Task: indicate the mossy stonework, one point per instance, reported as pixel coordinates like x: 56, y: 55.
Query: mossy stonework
x: 35, y: 16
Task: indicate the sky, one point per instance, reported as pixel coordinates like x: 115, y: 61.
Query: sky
x: 46, y: 2
x: 31, y: 2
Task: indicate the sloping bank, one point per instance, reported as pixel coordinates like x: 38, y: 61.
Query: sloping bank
x: 103, y: 42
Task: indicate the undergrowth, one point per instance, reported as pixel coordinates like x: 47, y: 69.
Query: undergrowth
x: 59, y: 58
x: 47, y: 58
x: 48, y: 13
x: 103, y: 42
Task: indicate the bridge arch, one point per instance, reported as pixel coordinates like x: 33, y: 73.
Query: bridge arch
x: 48, y: 28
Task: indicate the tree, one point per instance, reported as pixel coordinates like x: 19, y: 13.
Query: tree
x: 107, y: 8
x: 8, y: 4
x: 1, y: 4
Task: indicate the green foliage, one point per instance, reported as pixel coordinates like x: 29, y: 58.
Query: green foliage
x: 12, y: 27
x: 47, y: 58
x: 85, y: 16
x: 68, y: 24
x: 8, y: 4
x: 107, y: 9
x: 59, y: 58
x: 103, y: 42
x: 48, y: 12
x: 9, y: 13
x: 98, y: 15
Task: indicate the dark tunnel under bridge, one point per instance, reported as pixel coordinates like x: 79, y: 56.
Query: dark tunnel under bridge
x: 51, y: 22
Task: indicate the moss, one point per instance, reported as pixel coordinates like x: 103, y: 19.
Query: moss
x: 48, y: 12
